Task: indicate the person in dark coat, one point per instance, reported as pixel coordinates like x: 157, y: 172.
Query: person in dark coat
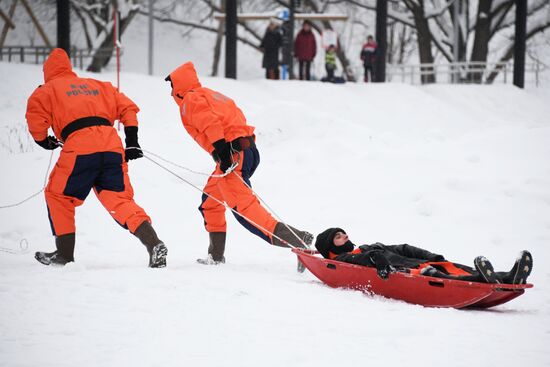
x: 368, y: 56
x: 271, y: 43
x: 305, y: 48
x: 334, y: 244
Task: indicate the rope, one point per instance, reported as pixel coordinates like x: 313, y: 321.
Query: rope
x: 214, y: 198
x: 272, y: 211
x: 23, y: 248
x: 36, y: 194
x: 230, y: 170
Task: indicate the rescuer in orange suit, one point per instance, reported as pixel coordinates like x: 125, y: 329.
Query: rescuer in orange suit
x: 81, y: 113
x: 219, y: 127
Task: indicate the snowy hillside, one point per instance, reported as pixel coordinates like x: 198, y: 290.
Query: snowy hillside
x: 460, y: 170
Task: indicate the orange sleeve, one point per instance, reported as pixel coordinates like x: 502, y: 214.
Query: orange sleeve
x: 204, y: 119
x: 39, y: 113
x: 126, y: 109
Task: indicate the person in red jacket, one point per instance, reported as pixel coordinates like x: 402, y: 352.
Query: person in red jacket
x: 368, y: 56
x: 305, y: 48
x: 81, y: 113
x: 216, y: 123
x: 335, y: 244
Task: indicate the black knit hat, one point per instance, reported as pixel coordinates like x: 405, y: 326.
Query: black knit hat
x: 325, y: 240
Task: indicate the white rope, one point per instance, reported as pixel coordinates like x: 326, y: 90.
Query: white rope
x: 273, y: 212
x: 229, y: 170
x: 216, y: 199
x: 23, y: 248
x: 36, y: 194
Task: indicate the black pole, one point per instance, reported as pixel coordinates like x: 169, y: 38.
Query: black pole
x: 231, y: 39
x: 64, y: 25
x: 381, y: 40
x: 290, y: 51
x: 519, y: 43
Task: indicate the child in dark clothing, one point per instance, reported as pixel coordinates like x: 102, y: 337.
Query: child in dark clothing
x: 334, y: 244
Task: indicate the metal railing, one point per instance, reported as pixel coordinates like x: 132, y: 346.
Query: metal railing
x: 458, y: 73
x: 38, y: 54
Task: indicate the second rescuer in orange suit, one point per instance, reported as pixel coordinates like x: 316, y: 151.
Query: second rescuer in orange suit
x: 219, y: 127
x: 81, y: 112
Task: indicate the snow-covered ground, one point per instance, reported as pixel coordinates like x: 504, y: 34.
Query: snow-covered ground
x: 460, y: 170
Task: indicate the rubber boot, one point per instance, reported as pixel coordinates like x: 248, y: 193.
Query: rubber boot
x: 282, y: 232
x: 64, y: 253
x: 485, y: 269
x: 216, y: 249
x: 521, y: 269
x: 155, y: 247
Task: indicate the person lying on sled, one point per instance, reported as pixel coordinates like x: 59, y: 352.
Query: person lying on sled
x: 334, y: 244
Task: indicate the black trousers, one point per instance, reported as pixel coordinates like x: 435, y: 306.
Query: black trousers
x: 305, y: 67
x: 369, y: 69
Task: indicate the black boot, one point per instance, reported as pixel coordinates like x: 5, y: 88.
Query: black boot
x: 216, y: 249
x: 155, y: 247
x: 521, y: 269
x: 64, y: 253
x: 284, y: 233
x: 485, y: 269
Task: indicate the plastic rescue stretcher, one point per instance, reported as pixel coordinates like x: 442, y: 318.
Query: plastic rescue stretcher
x: 416, y: 289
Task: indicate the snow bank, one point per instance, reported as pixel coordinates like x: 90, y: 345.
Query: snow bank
x: 460, y: 170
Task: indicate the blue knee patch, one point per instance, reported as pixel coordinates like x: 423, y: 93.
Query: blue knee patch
x: 246, y: 224
x: 82, y: 178
x: 110, y: 177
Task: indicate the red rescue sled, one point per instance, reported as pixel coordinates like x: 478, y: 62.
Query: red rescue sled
x: 416, y: 289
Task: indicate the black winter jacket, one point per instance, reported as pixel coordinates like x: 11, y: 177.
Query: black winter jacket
x: 270, y: 44
x: 399, y: 256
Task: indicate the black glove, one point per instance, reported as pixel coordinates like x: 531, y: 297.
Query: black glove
x: 383, y: 266
x: 132, y: 143
x: 222, y: 154
x: 50, y: 143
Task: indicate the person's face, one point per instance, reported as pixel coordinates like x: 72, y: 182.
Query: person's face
x: 307, y: 27
x: 340, y: 239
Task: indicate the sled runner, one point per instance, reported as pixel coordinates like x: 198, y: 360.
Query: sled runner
x: 416, y: 289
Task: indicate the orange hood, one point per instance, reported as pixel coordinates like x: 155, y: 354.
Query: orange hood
x: 184, y: 79
x: 57, y: 65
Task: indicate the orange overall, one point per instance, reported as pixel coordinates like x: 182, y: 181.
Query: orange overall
x: 81, y: 112
x: 209, y: 116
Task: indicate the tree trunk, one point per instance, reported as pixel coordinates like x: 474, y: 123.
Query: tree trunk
x: 218, y: 45
x: 424, y: 38
x: 103, y: 54
x: 481, y: 39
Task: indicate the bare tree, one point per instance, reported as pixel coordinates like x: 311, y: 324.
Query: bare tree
x: 101, y: 15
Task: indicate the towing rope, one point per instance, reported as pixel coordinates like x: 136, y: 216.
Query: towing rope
x: 230, y: 170
x: 35, y: 194
x: 24, y: 244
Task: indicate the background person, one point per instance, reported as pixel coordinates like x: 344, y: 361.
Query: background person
x: 305, y: 49
x: 271, y: 44
x: 368, y: 56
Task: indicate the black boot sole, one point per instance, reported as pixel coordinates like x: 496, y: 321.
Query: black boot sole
x: 524, y: 267
x: 158, y: 257
x: 485, y: 268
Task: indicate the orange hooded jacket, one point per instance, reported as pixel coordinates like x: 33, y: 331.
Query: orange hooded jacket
x: 65, y: 97
x: 207, y: 115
